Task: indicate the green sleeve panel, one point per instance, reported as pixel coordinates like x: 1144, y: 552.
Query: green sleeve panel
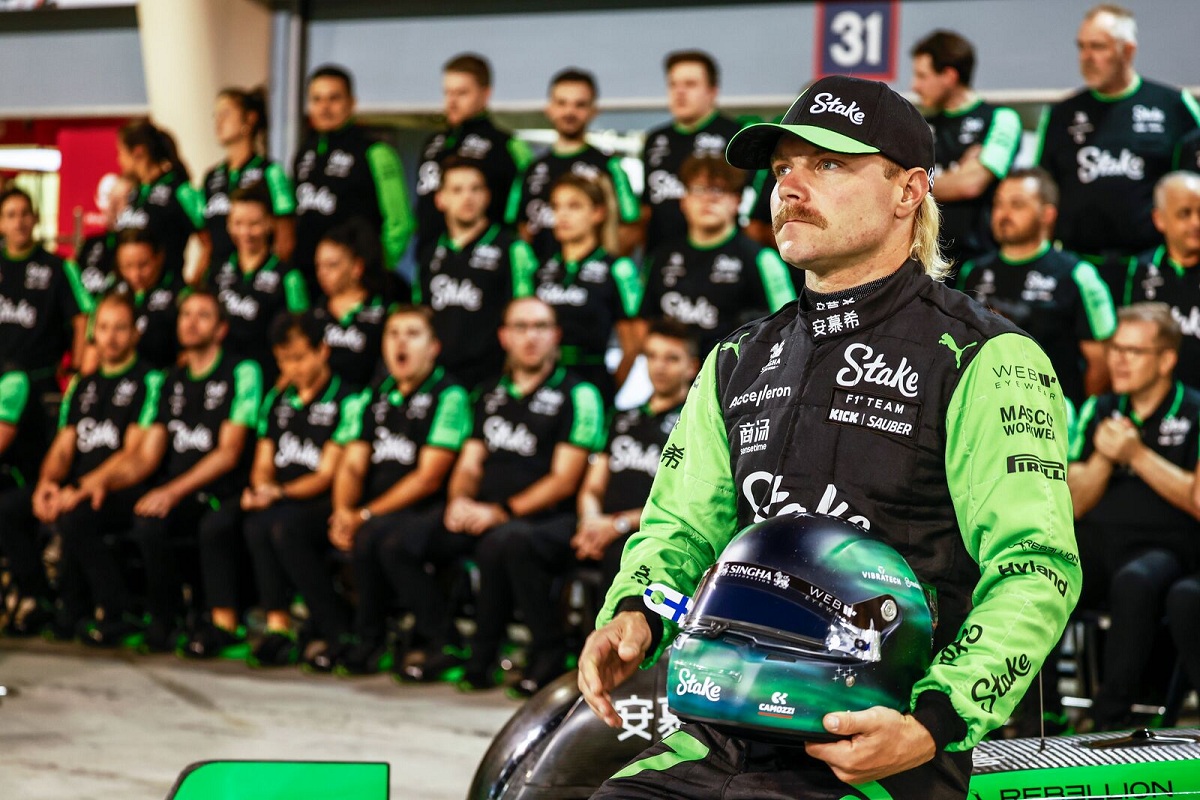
x: 1072, y: 421
x: 512, y: 208
x: 524, y: 265
x: 64, y: 408
x: 296, y: 292
x: 83, y: 298
x: 1015, y: 516
x: 629, y: 210
x: 452, y: 421
x: 417, y: 295
x: 1038, y: 152
x: 154, y: 382
x: 960, y: 282
x: 587, y: 418
x: 691, y: 513
x: 1079, y: 433
x: 283, y: 196
x: 1130, y: 272
x: 1002, y: 142
x: 191, y: 200
x: 776, y: 280
x: 350, y: 427
x: 520, y: 153
x: 1190, y: 104
x: 628, y: 279
x: 247, y: 394
x: 1097, y: 302
x: 264, y: 413
x: 398, y: 221
x: 14, y: 395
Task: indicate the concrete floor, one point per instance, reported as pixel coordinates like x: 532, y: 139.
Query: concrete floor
x: 99, y: 725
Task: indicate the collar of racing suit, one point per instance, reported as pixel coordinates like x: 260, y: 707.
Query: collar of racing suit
x: 849, y: 310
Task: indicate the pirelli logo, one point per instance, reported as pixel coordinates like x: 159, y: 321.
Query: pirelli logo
x: 1026, y: 462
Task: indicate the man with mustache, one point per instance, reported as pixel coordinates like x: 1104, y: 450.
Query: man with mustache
x: 570, y: 108
x: 879, y: 396
x: 714, y: 278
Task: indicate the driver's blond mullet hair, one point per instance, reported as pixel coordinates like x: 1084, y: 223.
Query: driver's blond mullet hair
x: 926, y: 246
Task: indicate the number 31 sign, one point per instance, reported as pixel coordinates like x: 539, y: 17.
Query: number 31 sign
x: 857, y: 37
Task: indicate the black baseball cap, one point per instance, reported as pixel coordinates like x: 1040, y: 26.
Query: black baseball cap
x: 843, y: 115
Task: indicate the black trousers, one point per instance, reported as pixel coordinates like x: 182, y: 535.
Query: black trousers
x: 1137, y: 594
x: 518, y: 562
x: 90, y: 568
x: 699, y: 762
x: 211, y: 524
x: 19, y: 541
x: 1183, y: 618
x: 289, y: 548
x: 405, y: 554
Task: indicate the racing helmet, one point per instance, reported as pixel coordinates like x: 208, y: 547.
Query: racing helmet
x: 803, y: 614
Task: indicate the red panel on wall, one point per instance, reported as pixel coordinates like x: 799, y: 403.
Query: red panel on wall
x: 89, y: 152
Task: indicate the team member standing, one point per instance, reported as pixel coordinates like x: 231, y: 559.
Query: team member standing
x: 164, y: 203
x: 1107, y: 145
x: 1131, y: 481
x: 511, y: 495
x: 342, y: 172
x: 241, y: 126
x: 469, y: 274
x: 696, y: 129
x: 155, y: 294
x: 103, y: 419
x: 98, y: 254
x: 1169, y: 273
x: 1055, y: 297
x: 713, y: 278
x: 353, y: 310
x: 975, y: 141
x: 43, y: 304
x: 301, y: 430
x: 592, y: 292
x: 618, y: 480
x: 570, y: 109
x: 253, y: 283
x: 472, y: 135
x: 197, y: 450
x: 954, y: 496
x: 390, y: 492
x: 22, y: 441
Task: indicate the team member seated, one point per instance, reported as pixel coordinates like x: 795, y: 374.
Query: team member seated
x: 301, y: 434
x: 511, y: 496
x: 1130, y: 478
x: 390, y: 491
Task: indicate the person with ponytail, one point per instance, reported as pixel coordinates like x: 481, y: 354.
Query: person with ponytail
x: 590, y: 290
x: 240, y: 119
x: 164, y: 202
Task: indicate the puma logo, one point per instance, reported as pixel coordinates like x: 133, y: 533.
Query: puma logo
x: 736, y: 347
x: 948, y: 340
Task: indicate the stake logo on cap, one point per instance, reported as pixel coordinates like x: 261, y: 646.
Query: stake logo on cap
x: 843, y: 115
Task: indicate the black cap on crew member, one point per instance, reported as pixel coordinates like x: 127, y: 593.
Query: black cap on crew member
x: 843, y: 115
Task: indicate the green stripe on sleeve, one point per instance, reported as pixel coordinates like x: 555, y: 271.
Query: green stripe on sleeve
x: 512, y: 209
x: 350, y: 425
x: 629, y: 285
x: 776, y: 281
x: 191, y: 200
x: 247, y: 394
x: 1097, y: 302
x: 1081, y: 425
x: 1039, y: 151
x: 1072, y: 422
x: 154, y: 381
x: 683, y: 748
x: 296, y: 292
x: 520, y: 153
x: 14, y: 395
x: 587, y: 424
x: 264, y: 413
x: 83, y: 298
x: 524, y: 265
x: 452, y: 420
x: 398, y: 221
x: 64, y: 408
x: 960, y: 282
x: 1002, y: 142
x: 628, y: 208
x: 283, y: 196
x: 1190, y: 104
